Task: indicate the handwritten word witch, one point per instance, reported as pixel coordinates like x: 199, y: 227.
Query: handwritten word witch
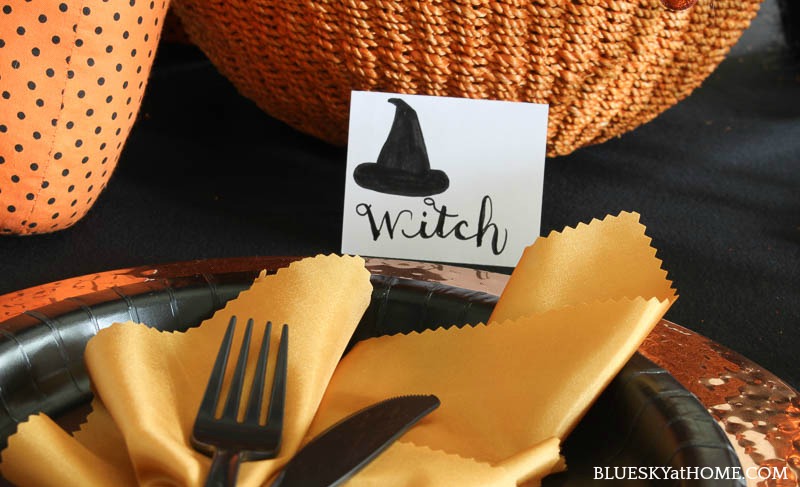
x: 406, y: 224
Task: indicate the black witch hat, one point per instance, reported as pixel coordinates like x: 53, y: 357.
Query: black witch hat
x: 403, y: 167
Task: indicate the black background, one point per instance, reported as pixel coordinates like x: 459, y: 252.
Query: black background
x: 206, y: 174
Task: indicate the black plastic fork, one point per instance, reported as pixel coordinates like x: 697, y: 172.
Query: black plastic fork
x: 230, y: 440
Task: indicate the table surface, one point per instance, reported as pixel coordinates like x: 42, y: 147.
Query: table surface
x: 715, y: 179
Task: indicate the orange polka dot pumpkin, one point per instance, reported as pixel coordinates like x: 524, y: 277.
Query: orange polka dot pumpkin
x: 72, y: 76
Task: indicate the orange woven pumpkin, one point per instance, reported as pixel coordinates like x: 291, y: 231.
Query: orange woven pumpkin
x: 604, y: 66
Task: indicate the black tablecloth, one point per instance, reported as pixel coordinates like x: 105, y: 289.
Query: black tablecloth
x: 715, y: 179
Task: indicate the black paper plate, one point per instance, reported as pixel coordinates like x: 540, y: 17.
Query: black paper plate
x: 645, y: 418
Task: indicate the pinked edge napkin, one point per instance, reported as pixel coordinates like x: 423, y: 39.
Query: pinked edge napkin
x: 148, y: 384
x: 511, y: 390
x: 574, y: 311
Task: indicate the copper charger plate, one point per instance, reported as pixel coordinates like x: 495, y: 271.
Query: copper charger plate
x: 759, y: 413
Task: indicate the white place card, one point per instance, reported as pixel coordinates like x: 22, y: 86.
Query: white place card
x: 443, y: 179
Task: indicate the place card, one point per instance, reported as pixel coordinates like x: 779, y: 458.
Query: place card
x: 443, y: 179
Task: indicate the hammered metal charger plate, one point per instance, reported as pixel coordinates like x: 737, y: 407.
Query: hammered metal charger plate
x: 644, y: 418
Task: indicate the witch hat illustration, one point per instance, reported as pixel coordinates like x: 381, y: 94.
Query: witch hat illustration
x: 403, y: 167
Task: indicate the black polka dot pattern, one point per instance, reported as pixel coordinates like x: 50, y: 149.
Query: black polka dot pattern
x: 72, y: 76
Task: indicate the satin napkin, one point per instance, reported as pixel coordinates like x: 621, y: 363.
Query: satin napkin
x: 575, y: 309
x: 148, y: 384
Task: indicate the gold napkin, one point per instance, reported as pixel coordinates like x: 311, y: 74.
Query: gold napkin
x: 148, y: 384
x: 574, y: 311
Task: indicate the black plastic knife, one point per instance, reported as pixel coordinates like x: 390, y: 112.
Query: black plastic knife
x: 339, y: 452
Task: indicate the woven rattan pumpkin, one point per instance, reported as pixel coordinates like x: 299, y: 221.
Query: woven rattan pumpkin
x: 604, y: 66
